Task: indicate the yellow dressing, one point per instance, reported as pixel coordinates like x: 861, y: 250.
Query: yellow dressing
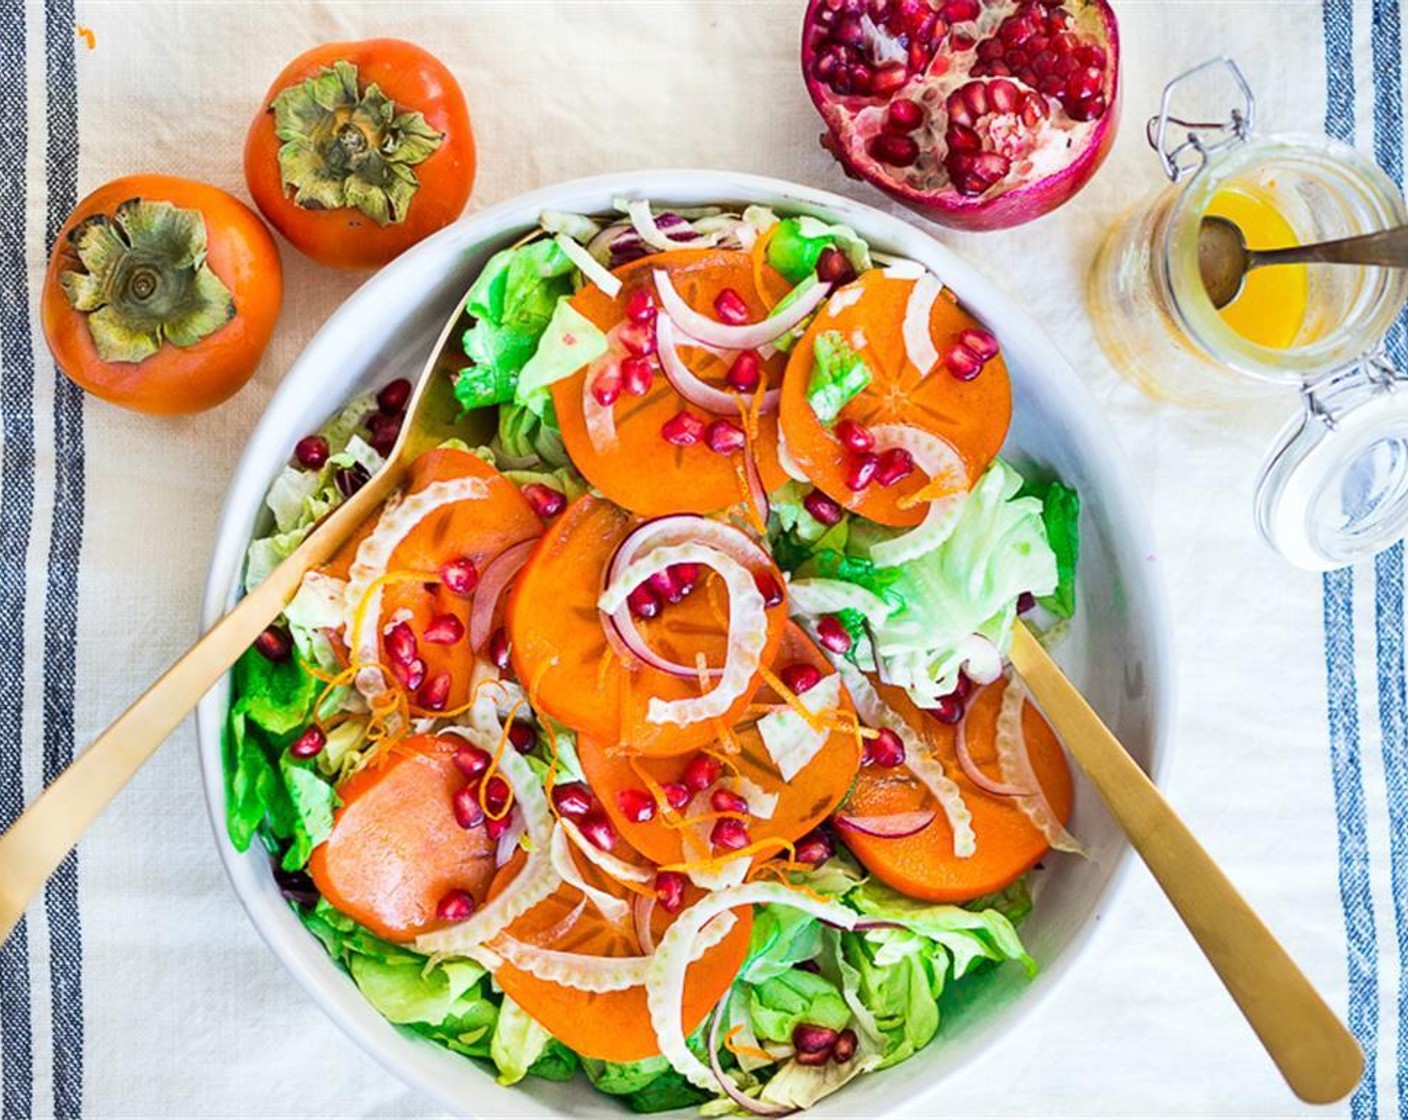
x: 1270, y: 309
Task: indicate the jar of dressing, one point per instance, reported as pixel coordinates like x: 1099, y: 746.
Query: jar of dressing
x: 1334, y: 486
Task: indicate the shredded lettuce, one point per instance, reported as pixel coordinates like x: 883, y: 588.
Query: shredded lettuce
x: 838, y: 375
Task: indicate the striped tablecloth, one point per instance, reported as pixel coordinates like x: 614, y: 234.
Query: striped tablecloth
x: 136, y: 986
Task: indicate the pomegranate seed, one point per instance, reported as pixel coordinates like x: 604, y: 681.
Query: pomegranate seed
x: 809, y: 1038
x: 904, y: 115
x: 472, y: 761
x: 393, y: 397
x: 949, y: 709
x: 768, y: 588
x: 443, y: 630
x: 746, y: 372
x: 981, y: 342
x: 640, y: 306
x: 887, y: 79
x: 383, y: 431
x: 815, y: 848
x: 435, y: 693
x: 960, y: 11
x: 833, y: 267
x: 669, y: 891
x: 637, y: 805
x: 1026, y: 602
x: 598, y: 830
x: 861, y: 471
x: 351, y: 479
x: 606, y: 389
x: 885, y: 750
x: 401, y: 644
x: 411, y: 674
x: 702, y: 771
x: 573, y: 800
x: 726, y: 801
x: 498, y: 826
x: 496, y: 794
x: 832, y: 634
x: 643, y: 602
x: 800, y: 678
x: 685, y: 577
x: 459, y: 577
x: 455, y: 906
x: 498, y: 649
x: 521, y: 736
x: 844, y: 1048
x: 309, y: 744
x: 818, y: 1059
x: 665, y: 586
x: 964, y: 688
x: 547, y: 503
x: 638, y: 338
x: 962, y: 362
x: 274, y: 643
x: 1089, y: 109
x: 855, y: 436
x: 682, y: 430
x: 725, y: 437
x: 311, y: 452
x: 731, y: 309
x: 896, y: 464
x: 677, y: 795
x: 465, y: 805
x: 637, y: 375
x: 825, y: 509
x: 729, y: 834
x: 897, y: 151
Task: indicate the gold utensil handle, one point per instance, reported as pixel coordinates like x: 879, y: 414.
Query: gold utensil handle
x: 36, y: 843
x: 1318, y: 1057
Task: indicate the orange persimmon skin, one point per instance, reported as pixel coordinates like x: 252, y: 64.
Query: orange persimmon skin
x: 176, y: 379
x: 972, y: 416
x: 923, y: 865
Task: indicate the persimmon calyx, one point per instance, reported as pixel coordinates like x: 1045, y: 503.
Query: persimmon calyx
x: 348, y: 147
x: 145, y: 280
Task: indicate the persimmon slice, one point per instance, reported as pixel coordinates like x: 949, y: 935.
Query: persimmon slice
x: 641, y: 471
x: 476, y: 529
x: 610, y: 1026
x: 971, y: 415
x: 923, y: 865
x: 802, y: 803
x: 560, y: 650
x: 395, y: 849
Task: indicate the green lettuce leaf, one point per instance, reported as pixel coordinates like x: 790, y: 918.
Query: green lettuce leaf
x: 569, y: 341
x: 312, y: 800
x: 778, y: 1005
x: 838, y: 375
x: 1060, y: 513
x: 800, y: 241
x: 518, y: 1042
x: 524, y: 435
x: 650, y: 1085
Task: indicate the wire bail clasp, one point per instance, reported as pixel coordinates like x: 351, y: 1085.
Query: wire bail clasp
x: 1201, y: 138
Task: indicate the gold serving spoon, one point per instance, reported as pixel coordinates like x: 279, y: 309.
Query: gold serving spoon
x: 1315, y: 1053
x: 1224, y: 259
x: 35, y: 844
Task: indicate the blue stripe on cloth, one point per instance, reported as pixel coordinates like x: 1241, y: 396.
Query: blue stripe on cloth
x: 1356, y: 896
x: 16, y: 516
x: 61, y: 588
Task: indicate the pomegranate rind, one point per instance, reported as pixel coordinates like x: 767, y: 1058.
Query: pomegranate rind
x: 989, y: 211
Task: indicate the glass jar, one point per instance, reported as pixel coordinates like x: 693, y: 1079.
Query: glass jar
x: 1334, y: 487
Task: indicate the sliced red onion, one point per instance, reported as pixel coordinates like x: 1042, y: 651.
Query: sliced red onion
x: 590, y: 267
x: 648, y: 228
x: 974, y: 772
x: 918, y: 341
x: 508, y: 842
x: 890, y: 826
x: 1016, y: 766
x: 642, y: 910
x: 757, y: 492
x: 613, y: 866
x: 555, y: 933
x: 600, y: 419
x: 750, y: 336
x: 726, y: 1083
x: 497, y: 575
x: 936, y: 457
x: 693, y: 388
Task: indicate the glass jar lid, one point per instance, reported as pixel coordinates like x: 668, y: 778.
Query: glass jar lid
x: 1334, y: 489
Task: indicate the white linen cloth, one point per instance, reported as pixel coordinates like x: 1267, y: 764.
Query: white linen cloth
x: 183, y: 1010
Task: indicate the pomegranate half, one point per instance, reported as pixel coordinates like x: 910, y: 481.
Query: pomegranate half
x: 980, y: 114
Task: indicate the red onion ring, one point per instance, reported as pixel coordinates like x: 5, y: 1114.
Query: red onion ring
x: 973, y: 772
x: 694, y: 389
x: 508, y: 842
x: 497, y: 575
x: 730, y: 1090
x: 551, y: 936
x: 890, y: 826
x: 749, y: 336
x: 642, y: 910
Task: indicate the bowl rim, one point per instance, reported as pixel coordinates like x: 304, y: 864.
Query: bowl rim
x: 1092, y: 434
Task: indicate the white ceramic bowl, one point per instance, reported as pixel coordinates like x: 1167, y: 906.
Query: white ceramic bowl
x: 1117, y: 651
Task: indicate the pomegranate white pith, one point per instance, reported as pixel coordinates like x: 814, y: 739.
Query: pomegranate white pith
x: 980, y: 114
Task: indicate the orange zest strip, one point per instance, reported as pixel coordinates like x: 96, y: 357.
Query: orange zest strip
x: 939, y: 487
x: 399, y: 575
x: 494, y: 767
x: 791, y: 698
x: 723, y: 759
x: 770, y: 844
x: 759, y: 256
x: 742, y: 1049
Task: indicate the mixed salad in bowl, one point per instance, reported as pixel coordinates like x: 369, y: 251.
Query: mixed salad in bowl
x: 659, y: 729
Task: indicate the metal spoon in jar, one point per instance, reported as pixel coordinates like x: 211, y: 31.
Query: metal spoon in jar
x: 1224, y: 259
